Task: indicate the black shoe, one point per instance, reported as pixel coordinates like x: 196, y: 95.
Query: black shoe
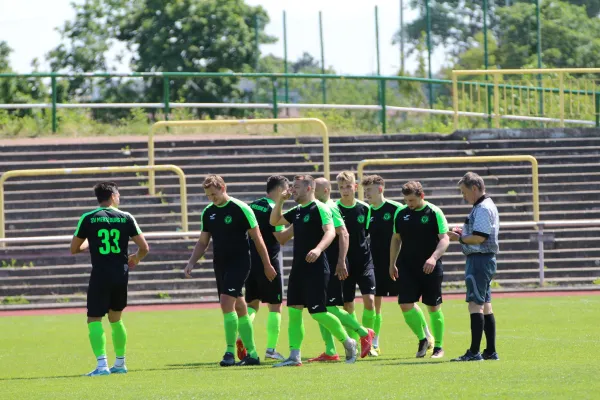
x: 490, y: 355
x: 469, y: 356
x: 438, y: 352
x: 423, y: 344
x: 228, y: 360
x: 248, y: 361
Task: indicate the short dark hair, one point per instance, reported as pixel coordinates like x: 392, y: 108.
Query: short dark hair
x: 373, y: 180
x: 104, y: 190
x: 276, y: 181
x: 412, y: 187
x: 309, y: 180
x: 470, y: 180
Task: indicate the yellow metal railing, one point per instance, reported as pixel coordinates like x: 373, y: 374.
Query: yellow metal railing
x: 457, y: 160
x: 269, y: 121
x: 549, y: 95
x: 95, y: 170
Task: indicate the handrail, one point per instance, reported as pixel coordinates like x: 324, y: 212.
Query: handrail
x: 268, y: 121
x: 95, y: 170
x: 184, y: 234
x: 474, y: 159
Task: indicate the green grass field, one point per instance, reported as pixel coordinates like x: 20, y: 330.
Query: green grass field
x: 548, y: 346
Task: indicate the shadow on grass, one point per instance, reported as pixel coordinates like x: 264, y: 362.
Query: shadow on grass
x: 40, y: 377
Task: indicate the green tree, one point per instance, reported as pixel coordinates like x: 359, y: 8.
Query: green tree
x: 570, y: 37
x: 455, y: 23
x: 163, y: 35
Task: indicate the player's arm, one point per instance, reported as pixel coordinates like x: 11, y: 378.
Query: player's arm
x: 79, y: 245
x: 143, y: 250
x: 254, y: 233
x: 344, y: 242
x: 395, y: 245
x: 285, y: 235
x: 198, y: 252
x: 276, y: 218
x: 443, y: 243
x: 440, y: 249
x: 328, y: 236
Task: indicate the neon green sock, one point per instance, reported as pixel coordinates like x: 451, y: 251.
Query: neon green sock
x: 437, y: 325
x: 273, y: 329
x: 332, y: 324
x: 295, y: 329
x: 350, y: 323
x: 377, y: 323
x: 97, y: 338
x: 368, y: 318
x: 119, y: 337
x: 247, y: 333
x: 231, y: 329
x: 251, y: 314
x: 329, y: 342
x: 352, y: 333
x: 415, y: 321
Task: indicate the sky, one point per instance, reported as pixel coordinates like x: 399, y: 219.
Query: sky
x: 348, y: 30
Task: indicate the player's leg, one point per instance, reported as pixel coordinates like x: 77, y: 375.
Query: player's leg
x: 272, y: 293
x: 234, y: 279
x: 252, y: 297
x: 230, y: 317
x: 335, y: 299
x: 489, y: 326
x: 295, y: 306
x: 432, y: 298
x: 409, y: 292
x: 375, y: 350
x: 349, y: 296
x: 118, y: 302
x: 316, y: 300
x: 367, y: 287
x: 477, y: 283
x: 98, y: 300
x: 384, y: 287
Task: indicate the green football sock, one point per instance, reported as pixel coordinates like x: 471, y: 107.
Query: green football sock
x: 247, y: 334
x: 295, y: 329
x: 97, y: 338
x: 350, y: 323
x: 329, y: 342
x: 273, y: 329
x: 119, y: 337
x: 332, y: 324
x: 231, y: 329
x: 415, y: 320
x: 352, y: 333
x: 437, y: 325
x: 368, y: 318
x: 251, y: 314
x: 377, y: 323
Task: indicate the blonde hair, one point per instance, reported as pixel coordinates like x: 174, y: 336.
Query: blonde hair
x: 346, y: 176
x: 213, y: 181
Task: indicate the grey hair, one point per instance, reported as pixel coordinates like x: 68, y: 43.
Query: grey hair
x: 470, y: 180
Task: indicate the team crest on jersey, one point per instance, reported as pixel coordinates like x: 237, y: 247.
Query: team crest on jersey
x: 360, y: 219
x: 228, y: 219
x: 387, y: 216
x: 424, y: 219
x: 306, y: 218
